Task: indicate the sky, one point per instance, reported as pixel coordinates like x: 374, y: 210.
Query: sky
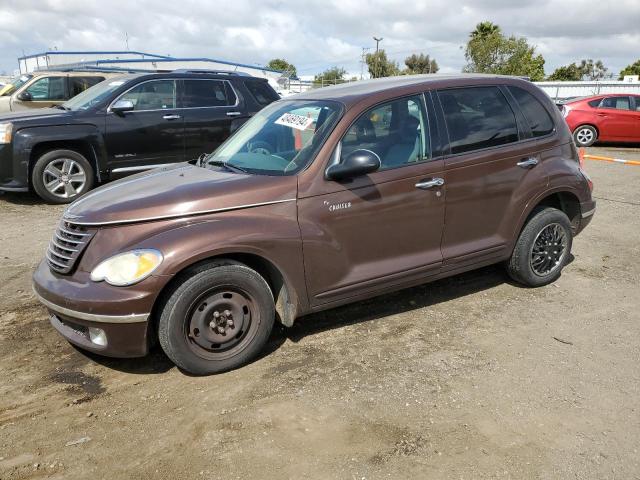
x: 317, y: 34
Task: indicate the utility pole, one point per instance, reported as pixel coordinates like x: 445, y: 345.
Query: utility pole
x: 363, y: 61
x: 377, y: 40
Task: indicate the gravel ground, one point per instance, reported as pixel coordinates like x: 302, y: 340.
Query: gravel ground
x: 469, y: 377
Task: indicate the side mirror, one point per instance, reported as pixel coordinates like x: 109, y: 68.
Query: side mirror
x: 122, y: 106
x: 358, y: 162
x: 25, y: 96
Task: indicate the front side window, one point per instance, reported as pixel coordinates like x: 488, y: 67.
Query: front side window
x: 396, y: 131
x: 47, y: 88
x: 281, y: 139
x: 477, y: 118
x: 261, y: 92
x: 537, y: 116
x: 153, y: 95
x: 619, y: 103
x: 77, y: 85
x: 207, y: 93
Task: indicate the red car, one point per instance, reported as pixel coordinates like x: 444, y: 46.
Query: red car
x: 607, y: 118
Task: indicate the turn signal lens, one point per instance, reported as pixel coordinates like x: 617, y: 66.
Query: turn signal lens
x: 5, y: 133
x: 127, y: 268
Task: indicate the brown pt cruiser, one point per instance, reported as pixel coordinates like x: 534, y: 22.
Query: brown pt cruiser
x: 322, y: 199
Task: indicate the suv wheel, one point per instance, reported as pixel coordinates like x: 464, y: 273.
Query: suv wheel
x: 61, y: 176
x: 542, y: 249
x: 218, y: 319
x: 585, y: 135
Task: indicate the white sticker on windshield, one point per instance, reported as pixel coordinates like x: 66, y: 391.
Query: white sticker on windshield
x: 299, y: 122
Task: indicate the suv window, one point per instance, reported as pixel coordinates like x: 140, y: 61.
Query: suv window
x: 261, y: 92
x: 619, y: 103
x: 153, y: 95
x: 537, y: 116
x: 47, y: 88
x: 477, y: 117
x: 208, y: 93
x: 396, y: 131
x: 78, y: 85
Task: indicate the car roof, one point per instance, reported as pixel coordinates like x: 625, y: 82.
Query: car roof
x: 351, y: 93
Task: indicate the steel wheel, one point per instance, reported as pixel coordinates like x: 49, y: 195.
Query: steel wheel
x: 64, y: 178
x: 548, y: 250
x: 220, y: 323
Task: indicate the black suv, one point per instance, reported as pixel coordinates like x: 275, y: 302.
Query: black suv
x: 125, y: 124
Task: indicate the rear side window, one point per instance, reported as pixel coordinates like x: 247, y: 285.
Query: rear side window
x: 262, y: 92
x: 594, y: 103
x: 78, y: 85
x: 477, y: 118
x: 619, y: 103
x: 537, y: 116
x: 207, y: 93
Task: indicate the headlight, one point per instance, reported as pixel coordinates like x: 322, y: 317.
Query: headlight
x: 127, y: 268
x: 5, y: 133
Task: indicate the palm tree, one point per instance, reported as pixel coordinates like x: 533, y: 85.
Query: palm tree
x: 484, y: 29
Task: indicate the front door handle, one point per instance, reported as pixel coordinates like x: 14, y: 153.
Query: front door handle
x: 172, y: 117
x: 426, y: 184
x: 528, y: 162
x: 233, y: 114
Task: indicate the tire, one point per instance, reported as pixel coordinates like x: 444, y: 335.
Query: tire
x: 75, y: 176
x: 536, y: 259
x: 585, y: 135
x: 218, y: 318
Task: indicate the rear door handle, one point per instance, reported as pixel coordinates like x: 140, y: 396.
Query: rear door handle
x: 528, y: 162
x: 426, y: 184
x: 233, y: 114
x: 172, y: 117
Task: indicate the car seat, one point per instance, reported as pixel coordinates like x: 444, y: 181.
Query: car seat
x: 408, y: 147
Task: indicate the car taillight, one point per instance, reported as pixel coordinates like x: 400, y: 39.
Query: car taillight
x: 565, y: 110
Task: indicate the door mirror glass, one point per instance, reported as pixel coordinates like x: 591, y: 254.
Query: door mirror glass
x: 122, y: 106
x: 25, y: 97
x: 357, y: 163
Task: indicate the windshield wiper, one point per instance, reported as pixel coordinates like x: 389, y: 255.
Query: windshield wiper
x: 227, y: 165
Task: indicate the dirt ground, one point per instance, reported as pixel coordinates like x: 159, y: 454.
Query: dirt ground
x: 469, y: 377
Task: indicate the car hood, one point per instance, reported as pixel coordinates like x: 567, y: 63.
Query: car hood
x: 34, y: 114
x: 178, y: 191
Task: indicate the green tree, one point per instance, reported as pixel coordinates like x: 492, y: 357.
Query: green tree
x: 420, y: 64
x: 330, y: 76
x: 380, y: 66
x: 593, y: 70
x: 282, y: 65
x: 632, y: 69
x: 489, y: 51
x: 567, y: 73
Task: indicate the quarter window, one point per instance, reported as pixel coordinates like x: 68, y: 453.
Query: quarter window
x: 619, y: 103
x: 78, y: 85
x: 537, y: 116
x: 396, y: 131
x: 207, y: 93
x: 154, y: 95
x: 47, y: 88
x: 477, y: 118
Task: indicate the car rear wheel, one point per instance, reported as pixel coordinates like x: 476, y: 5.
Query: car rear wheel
x: 219, y: 318
x: 585, y: 135
x: 61, y: 176
x: 542, y: 249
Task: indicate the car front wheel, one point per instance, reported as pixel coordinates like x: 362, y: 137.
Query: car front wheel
x: 585, y: 135
x: 61, y: 176
x: 542, y: 249
x: 217, y: 319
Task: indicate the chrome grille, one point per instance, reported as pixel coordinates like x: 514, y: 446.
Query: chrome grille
x: 66, y: 246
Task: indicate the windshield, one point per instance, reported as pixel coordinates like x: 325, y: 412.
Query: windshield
x: 13, y: 86
x: 94, y: 95
x: 281, y: 139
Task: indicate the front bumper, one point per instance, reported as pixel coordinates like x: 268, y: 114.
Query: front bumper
x: 76, y: 306
x: 10, y: 179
